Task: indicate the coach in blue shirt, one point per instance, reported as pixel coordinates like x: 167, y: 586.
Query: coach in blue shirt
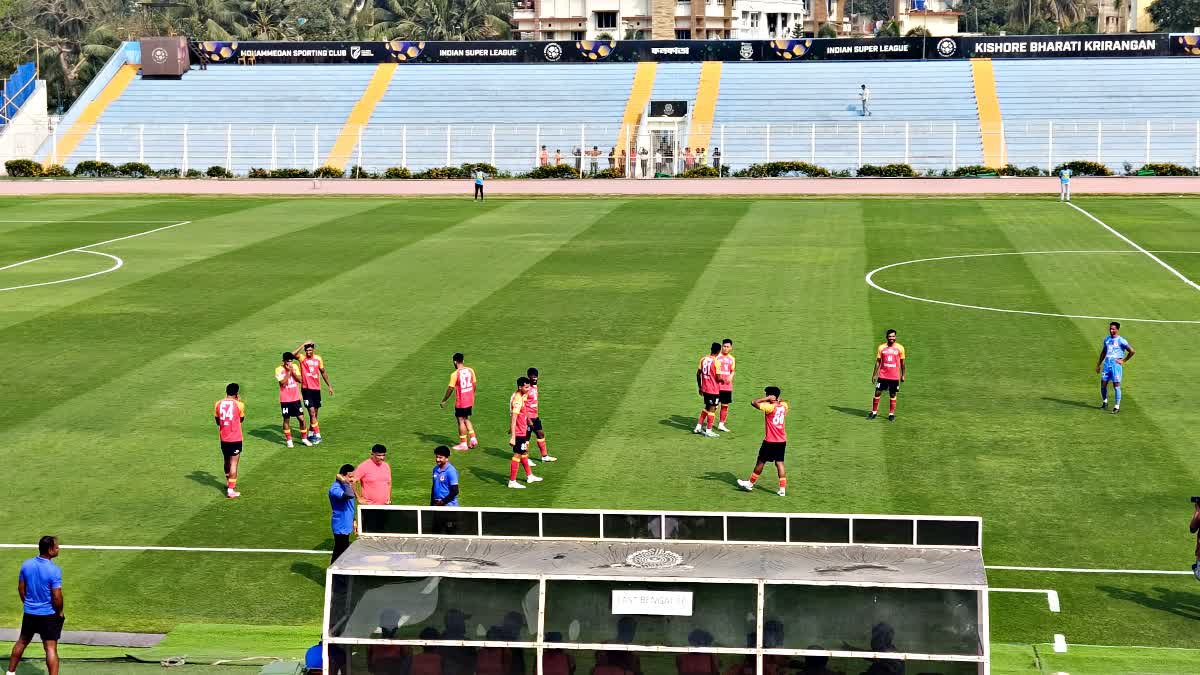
x: 341, y: 502
x: 40, y: 588
x: 445, y: 479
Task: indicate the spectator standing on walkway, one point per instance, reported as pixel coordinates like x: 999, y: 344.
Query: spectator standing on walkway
x: 594, y: 153
x: 612, y: 157
x: 478, y: 184
x: 40, y: 588
x: 864, y: 95
x: 644, y: 160
x: 544, y: 156
x: 373, y: 478
x: 578, y: 158
x: 717, y: 159
x: 557, y: 157
x: 658, y: 160
x: 341, y: 503
x: 689, y: 159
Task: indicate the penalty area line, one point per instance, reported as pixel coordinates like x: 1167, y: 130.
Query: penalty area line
x: 1051, y: 595
x: 1138, y: 247
x: 1081, y: 570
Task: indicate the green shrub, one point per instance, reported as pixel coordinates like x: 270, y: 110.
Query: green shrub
x: 442, y: 172
x: 553, y: 171
x: 1168, y: 169
x: 1083, y: 168
x: 22, y: 168
x: 397, y: 172
x: 887, y: 171
x: 1014, y: 170
x: 469, y: 169
x: 290, y: 173
x: 55, y: 171
x: 701, y: 172
x: 972, y: 170
x: 135, y: 170
x: 360, y: 172
x: 329, y: 172
x: 844, y: 173
x: 256, y: 172
x: 218, y: 172
x: 93, y: 169
x: 778, y: 169
x: 614, y: 172
x: 193, y: 173
x: 167, y: 173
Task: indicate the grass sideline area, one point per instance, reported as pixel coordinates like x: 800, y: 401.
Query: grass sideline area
x: 614, y: 300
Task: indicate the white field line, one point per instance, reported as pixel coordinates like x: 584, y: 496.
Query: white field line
x: 116, y: 266
x: 870, y: 279
x: 92, y: 222
x: 1082, y: 570
x: 1051, y: 595
x: 1060, y: 643
x: 1135, y: 245
x: 186, y: 549
x: 202, y: 549
x: 99, y: 243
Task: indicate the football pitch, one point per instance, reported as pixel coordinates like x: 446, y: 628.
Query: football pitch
x: 123, y: 319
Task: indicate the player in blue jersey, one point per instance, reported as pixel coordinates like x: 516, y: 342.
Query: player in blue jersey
x: 1064, y: 185
x: 1114, y: 353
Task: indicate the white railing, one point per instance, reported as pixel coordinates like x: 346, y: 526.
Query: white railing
x: 928, y: 145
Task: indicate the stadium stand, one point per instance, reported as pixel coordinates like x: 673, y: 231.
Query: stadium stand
x: 1101, y: 111
x: 817, y: 109
x: 530, y: 105
x: 305, y: 105
x: 932, y: 114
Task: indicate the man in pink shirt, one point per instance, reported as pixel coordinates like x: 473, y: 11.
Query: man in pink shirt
x: 374, y: 478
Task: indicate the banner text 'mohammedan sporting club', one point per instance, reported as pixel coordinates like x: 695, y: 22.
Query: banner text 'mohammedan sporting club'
x: 627, y: 51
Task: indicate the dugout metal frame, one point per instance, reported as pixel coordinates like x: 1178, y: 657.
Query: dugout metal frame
x: 863, y: 532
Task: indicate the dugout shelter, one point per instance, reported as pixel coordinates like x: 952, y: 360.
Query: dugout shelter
x: 597, y: 592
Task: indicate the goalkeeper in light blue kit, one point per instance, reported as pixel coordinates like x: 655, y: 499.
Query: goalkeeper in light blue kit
x: 1114, y: 353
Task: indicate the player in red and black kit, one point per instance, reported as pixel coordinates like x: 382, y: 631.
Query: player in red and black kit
x: 774, y: 441
x: 312, y: 371
x: 888, y: 374
x: 535, y: 420
x: 518, y: 435
x: 706, y: 381
x: 229, y: 413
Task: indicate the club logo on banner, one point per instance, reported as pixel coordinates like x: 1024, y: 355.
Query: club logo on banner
x: 791, y: 49
x: 946, y: 47
x: 159, y: 55
x: 402, y: 50
x: 1190, y: 44
x: 219, y: 52
x: 596, y: 50
x: 552, y: 52
x: 746, y: 51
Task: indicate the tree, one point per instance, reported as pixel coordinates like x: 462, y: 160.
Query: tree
x: 826, y: 31
x: 1044, y: 16
x: 1176, y: 16
x: 207, y: 19
x: 978, y: 15
x: 889, y: 29
x: 918, y: 31
x: 442, y: 19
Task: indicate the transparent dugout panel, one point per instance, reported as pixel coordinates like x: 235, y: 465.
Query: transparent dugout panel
x: 413, y: 607
x: 723, y: 615
x: 918, y: 621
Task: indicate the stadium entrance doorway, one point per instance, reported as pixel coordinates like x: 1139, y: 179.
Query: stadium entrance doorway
x: 502, y: 591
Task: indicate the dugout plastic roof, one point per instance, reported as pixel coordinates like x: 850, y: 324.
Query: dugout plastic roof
x: 657, y: 560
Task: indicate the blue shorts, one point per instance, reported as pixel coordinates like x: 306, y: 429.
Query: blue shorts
x: 1111, y: 372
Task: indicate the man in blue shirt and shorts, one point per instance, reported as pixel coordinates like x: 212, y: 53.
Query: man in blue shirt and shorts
x: 40, y: 588
x: 445, y: 479
x: 1114, y: 353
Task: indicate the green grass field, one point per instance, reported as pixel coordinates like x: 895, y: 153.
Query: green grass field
x: 108, y: 436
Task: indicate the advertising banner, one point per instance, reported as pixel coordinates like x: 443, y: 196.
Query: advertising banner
x: 632, y: 51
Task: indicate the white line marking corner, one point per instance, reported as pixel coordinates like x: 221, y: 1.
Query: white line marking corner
x: 1134, y: 244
